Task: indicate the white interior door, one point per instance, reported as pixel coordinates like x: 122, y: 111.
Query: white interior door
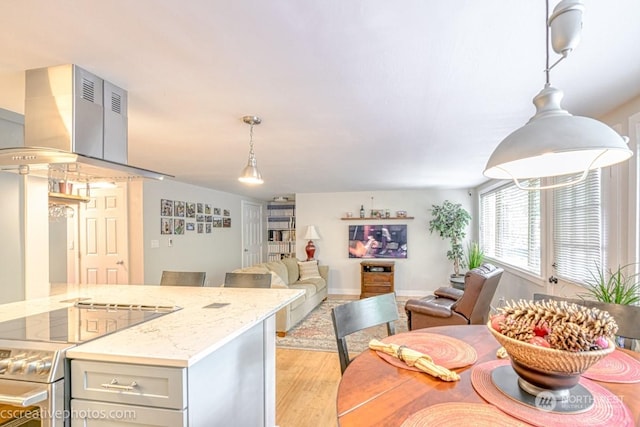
x: 104, y: 254
x: 252, y: 239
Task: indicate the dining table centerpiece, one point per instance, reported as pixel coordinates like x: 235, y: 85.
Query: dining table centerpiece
x: 551, y: 343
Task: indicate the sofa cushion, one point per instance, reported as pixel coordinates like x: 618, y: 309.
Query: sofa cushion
x: 309, y: 290
x: 318, y: 282
x: 280, y: 269
x: 292, y: 269
x: 308, y: 270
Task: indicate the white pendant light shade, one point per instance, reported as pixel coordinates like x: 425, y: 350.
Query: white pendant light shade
x: 555, y: 143
x: 250, y: 174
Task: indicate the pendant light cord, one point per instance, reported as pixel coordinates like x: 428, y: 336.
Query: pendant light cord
x: 251, y: 153
x: 547, y: 69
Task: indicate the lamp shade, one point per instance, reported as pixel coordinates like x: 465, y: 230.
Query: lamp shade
x: 555, y: 143
x: 250, y: 174
x: 311, y: 233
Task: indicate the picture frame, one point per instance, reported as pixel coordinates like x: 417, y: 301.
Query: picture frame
x: 166, y: 226
x: 166, y: 207
x: 191, y: 210
x: 179, y: 208
x: 178, y: 226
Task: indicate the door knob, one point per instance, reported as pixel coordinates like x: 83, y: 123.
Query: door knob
x: 121, y: 262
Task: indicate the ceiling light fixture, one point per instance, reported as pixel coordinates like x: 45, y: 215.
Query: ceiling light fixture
x: 250, y: 174
x: 554, y: 142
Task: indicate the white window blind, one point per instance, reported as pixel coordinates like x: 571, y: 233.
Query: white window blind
x: 510, y: 226
x: 577, y: 229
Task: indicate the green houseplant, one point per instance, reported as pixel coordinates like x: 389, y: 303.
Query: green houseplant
x: 475, y: 255
x: 450, y: 221
x: 614, y: 286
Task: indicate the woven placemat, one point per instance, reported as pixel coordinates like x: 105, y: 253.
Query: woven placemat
x: 456, y: 414
x: 617, y: 367
x: 607, y: 410
x: 445, y: 351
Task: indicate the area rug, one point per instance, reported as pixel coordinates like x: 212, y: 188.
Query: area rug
x: 315, y: 332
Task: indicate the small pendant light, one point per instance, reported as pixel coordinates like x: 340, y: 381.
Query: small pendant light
x: 250, y: 174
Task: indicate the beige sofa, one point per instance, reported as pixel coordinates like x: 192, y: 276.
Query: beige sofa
x: 286, y: 273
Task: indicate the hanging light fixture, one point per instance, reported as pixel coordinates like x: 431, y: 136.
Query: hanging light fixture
x: 554, y: 142
x: 250, y: 174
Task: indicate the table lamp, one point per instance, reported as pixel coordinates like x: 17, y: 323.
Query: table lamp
x: 310, y: 235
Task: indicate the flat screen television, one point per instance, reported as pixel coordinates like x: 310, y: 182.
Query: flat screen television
x: 378, y: 241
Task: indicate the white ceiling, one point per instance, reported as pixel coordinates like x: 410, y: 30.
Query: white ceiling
x: 354, y: 95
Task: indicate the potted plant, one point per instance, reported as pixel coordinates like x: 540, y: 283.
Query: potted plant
x: 614, y: 286
x: 475, y: 255
x: 450, y: 221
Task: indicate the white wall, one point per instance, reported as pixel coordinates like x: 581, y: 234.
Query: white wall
x: 426, y: 267
x: 215, y: 253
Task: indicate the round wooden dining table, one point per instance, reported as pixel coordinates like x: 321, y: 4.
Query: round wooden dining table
x: 374, y: 392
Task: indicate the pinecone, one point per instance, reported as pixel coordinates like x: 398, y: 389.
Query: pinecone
x: 571, y: 327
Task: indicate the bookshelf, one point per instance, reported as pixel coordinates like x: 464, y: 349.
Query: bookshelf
x: 281, y: 230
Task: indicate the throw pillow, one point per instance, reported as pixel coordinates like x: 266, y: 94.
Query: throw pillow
x: 277, y: 282
x: 309, y: 270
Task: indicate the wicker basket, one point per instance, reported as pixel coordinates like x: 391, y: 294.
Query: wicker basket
x: 550, y: 360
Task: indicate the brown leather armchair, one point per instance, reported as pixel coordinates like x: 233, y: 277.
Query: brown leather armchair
x: 450, y: 306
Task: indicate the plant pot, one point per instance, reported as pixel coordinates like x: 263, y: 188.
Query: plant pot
x: 457, y: 281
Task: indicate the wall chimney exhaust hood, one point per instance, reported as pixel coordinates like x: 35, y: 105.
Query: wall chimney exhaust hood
x: 75, y: 128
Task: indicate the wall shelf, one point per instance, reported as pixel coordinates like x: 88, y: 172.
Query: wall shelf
x: 67, y: 198
x: 375, y: 218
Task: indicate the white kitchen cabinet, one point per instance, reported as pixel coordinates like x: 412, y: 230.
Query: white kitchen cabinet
x: 86, y: 413
x: 130, y: 384
x: 234, y: 385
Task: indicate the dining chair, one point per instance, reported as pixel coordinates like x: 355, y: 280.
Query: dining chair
x: 361, y: 314
x: 182, y: 278
x: 247, y: 280
x: 626, y: 316
x: 450, y: 306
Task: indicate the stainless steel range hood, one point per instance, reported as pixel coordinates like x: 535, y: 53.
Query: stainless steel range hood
x: 75, y: 128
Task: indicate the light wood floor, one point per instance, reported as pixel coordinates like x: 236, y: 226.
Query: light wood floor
x: 306, y: 388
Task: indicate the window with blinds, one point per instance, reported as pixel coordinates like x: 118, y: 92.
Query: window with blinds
x: 510, y: 226
x: 577, y: 228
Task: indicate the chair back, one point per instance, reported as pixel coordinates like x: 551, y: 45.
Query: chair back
x: 182, y: 278
x: 480, y: 286
x: 247, y: 280
x: 626, y: 316
x: 361, y: 314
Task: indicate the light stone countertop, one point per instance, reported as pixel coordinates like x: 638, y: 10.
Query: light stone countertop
x: 178, y: 339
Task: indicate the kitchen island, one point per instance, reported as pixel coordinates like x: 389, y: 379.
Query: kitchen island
x: 211, y: 362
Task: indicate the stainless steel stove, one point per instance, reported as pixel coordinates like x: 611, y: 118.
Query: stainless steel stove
x: 33, y: 390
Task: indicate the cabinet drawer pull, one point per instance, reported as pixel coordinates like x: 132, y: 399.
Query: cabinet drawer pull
x: 113, y: 385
